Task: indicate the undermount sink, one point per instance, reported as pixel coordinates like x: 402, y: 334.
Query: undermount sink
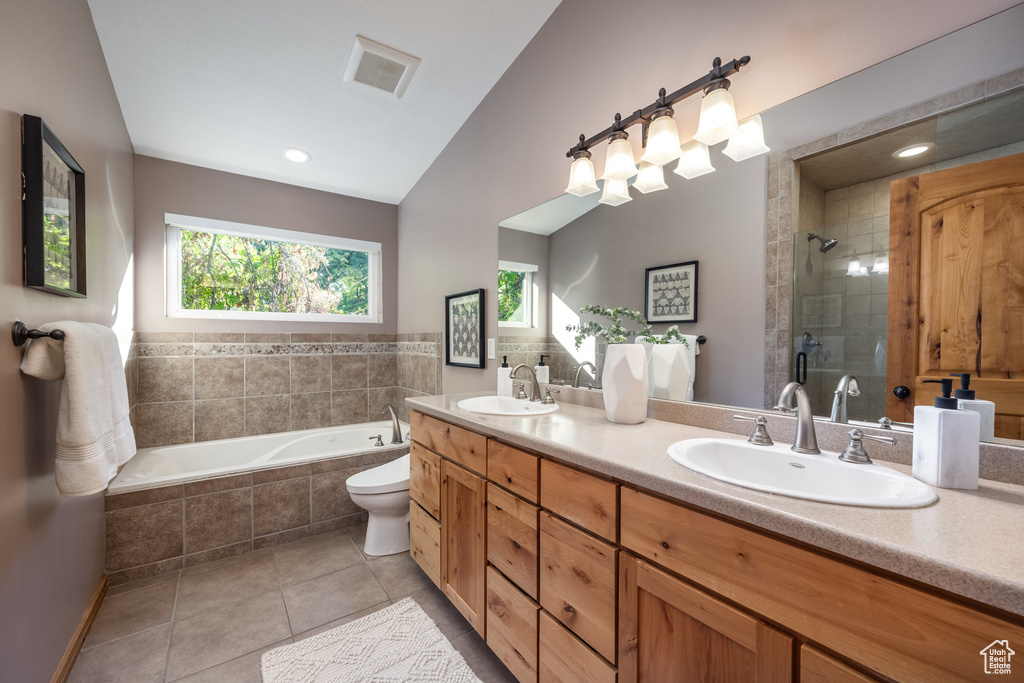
x: 824, y: 478
x: 506, y: 405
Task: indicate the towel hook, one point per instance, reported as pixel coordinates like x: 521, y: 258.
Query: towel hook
x: 20, y: 333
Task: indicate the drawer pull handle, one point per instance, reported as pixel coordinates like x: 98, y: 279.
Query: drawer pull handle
x: 664, y: 545
x: 517, y: 546
x: 570, y: 609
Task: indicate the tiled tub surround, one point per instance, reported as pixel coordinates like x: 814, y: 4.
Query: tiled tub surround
x: 784, y: 219
x: 204, y: 386
x: 160, y: 530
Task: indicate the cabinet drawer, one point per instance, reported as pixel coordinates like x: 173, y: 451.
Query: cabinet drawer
x: 512, y: 627
x: 889, y: 627
x: 580, y: 498
x: 425, y: 479
x: 818, y: 667
x: 425, y: 542
x: 461, y: 445
x: 512, y: 537
x: 564, y: 658
x: 578, y: 579
x: 515, y: 470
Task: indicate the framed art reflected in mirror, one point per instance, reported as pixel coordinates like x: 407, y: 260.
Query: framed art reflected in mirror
x: 464, y: 329
x: 670, y: 294
x: 53, y: 212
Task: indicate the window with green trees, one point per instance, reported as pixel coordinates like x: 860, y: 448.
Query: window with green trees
x: 515, y: 294
x: 261, y: 276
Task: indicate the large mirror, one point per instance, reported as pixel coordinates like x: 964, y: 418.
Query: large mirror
x: 832, y: 259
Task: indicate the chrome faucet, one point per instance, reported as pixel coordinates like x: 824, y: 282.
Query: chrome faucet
x: 848, y: 386
x: 806, y: 441
x: 533, y: 376
x: 396, y: 427
x: 576, y: 379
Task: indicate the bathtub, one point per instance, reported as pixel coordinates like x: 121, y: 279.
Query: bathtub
x: 165, y: 465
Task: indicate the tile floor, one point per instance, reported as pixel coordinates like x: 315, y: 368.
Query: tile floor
x: 212, y: 622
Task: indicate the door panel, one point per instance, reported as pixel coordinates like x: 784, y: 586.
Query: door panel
x: 463, y: 549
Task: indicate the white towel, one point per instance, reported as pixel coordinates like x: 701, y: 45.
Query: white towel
x: 94, y: 433
x: 691, y: 355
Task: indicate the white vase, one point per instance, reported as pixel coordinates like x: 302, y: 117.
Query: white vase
x: 624, y: 381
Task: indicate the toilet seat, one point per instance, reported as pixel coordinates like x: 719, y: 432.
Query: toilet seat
x: 387, y: 478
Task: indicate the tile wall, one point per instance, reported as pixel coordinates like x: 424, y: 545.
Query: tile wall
x: 521, y: 349
x: 164, y: 529
x: 203, y: 386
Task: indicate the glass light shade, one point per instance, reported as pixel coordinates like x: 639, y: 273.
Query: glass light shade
x: 694, y: 160
x: 615, y: 192
x: 749, y: 142
x: 662, y: 141
x: 619, y: 164
x: 651, y: 178
x: 717, y: 118
x: 853, y: 267
x: 881, y: 264
x: 582, y: 178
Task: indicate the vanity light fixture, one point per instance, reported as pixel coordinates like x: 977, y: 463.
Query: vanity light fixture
x: 296, y: 155
x: 650, y: 178
x: 661, y: 138
x: 913, y: 150
x: 695, y: 160
x: 881, y: 264
x: 853, y: 267
x: 615, y: 193
x: 582, y: 180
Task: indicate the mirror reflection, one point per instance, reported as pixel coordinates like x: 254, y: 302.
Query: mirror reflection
x: 872, y: 314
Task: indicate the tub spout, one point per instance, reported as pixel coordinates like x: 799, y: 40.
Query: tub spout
x: 396, y: 427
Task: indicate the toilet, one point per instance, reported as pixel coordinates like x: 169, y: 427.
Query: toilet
x: 384, y: 493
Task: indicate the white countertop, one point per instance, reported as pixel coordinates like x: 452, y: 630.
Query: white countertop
x: 970, y: 543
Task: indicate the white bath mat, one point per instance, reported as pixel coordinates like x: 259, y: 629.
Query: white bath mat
x: 398, y: 644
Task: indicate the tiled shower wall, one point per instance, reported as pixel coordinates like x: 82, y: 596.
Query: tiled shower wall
x: 203, y: 386
x: 521, y: 349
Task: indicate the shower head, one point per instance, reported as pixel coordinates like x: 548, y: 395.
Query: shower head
x: 825, y: 244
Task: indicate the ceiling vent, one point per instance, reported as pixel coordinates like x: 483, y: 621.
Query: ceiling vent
x: 380, y: 66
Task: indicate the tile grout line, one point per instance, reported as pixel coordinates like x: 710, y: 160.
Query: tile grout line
x: 170, y: 634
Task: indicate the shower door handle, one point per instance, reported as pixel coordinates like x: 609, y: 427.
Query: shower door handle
x: 801, y: 378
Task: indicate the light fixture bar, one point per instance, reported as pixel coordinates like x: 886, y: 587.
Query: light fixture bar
x: 718, y: 72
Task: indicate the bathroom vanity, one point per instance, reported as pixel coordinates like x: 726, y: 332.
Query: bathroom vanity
x: 582, y: 554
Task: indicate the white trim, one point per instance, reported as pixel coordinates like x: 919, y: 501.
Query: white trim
x: 175, y: 223
x: 518, y: 267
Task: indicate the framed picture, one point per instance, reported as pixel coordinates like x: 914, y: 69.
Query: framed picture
x: 53, y: 212
x: 464, y: 329
x: 671, y: 293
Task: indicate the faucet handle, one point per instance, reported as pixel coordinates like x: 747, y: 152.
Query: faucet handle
x: 380, y: 440
x: 760, y: 436
x: 548, y: 400
x: 854, y: 451
x: 520, y: 389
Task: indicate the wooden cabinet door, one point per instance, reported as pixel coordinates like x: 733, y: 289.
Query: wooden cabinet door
x: 956, y: 286
x: 463, y: 541
x: 670, y: 631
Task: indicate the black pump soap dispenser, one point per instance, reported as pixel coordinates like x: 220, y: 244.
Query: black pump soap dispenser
x: 966, y: 400
x: 946, y: 442
x: 504, y: 378
x: 944, y: 401
x: 543, y: 371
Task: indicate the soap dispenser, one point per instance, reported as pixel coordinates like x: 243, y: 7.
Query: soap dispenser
x: 504, y: 378
x: 543, y: 371
x: 967, y: 401
x: 946, y: 442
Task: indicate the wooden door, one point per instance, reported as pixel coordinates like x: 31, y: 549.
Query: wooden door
x: 463, y: 542
x: 671, y: 632
x: 956, y: 286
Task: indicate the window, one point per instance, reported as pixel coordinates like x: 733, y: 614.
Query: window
x: 515, y: 294
x: 217, y: 269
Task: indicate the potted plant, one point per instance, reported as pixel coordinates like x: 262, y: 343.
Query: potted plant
x: 625, y: 374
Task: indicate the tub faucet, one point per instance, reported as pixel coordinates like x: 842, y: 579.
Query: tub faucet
x: 576, y: 380
x: 396, y: 427
x: 533, y: 375
x: 806, y: 441
x: 848, y: 386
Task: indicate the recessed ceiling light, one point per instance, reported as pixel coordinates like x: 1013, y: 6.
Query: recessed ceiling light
x: 913, y: 150
x: 297, y: 155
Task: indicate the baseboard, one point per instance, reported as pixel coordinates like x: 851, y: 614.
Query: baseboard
x: 67, y: 662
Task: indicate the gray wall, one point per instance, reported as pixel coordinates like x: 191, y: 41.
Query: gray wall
x: 526, y: 247
x: 51, y: 548
x: 169, y: 187
x: 573, y: 77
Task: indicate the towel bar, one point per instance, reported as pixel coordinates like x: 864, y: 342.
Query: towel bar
x: 21, y: 334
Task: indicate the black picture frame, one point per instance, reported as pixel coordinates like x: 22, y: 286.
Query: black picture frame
x: 464, y: 329
x: 52, y: 205
x: 670, y: 293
